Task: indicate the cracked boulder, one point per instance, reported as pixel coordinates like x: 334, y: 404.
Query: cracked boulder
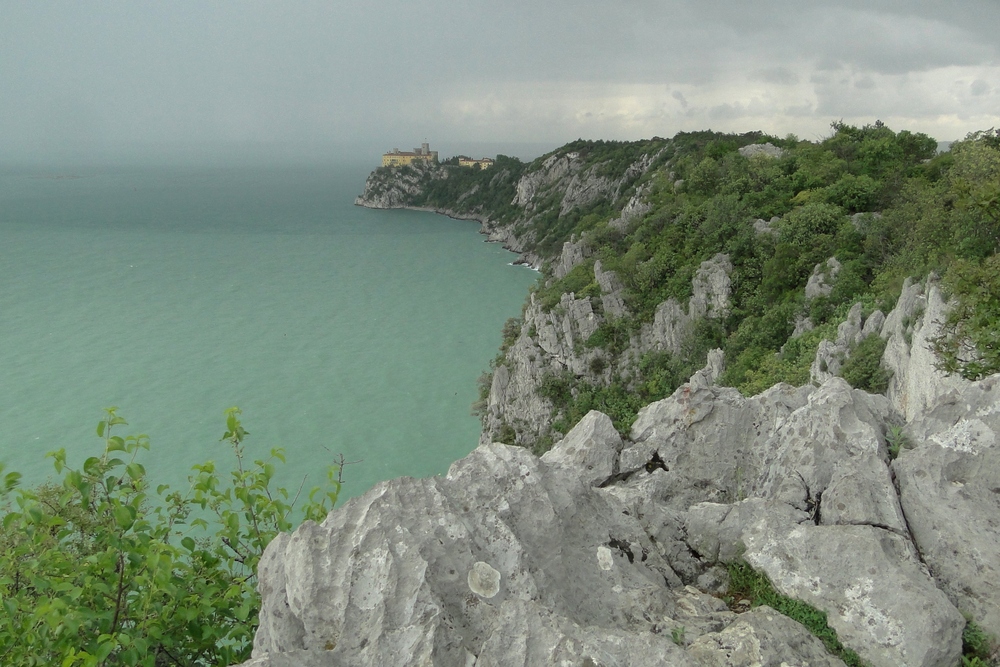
x: 706, y: 439
x: 950, y: 491
x: 418, y: 571
x: 527, y: 634
x: 829, y: 459
x: 589, y: 450
x: 762, y: 638
x: 876, y: 594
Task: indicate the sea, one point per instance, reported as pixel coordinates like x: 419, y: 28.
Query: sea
x: 174, y: 292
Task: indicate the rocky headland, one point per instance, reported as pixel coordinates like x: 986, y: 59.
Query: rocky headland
x: 603, y: 544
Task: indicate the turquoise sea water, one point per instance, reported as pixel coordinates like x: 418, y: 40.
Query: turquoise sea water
x: 177, y: 292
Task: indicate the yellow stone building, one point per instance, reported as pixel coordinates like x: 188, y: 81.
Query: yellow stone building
x: 484, y: 163
x: 398, y: 158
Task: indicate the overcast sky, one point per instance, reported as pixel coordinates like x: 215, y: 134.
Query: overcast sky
x: 103, y: 78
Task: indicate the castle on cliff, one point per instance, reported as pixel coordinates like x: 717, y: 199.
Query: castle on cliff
x: 398, y: 158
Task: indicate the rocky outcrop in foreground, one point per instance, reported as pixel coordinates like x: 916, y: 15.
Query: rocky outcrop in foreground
x: 609, y: 551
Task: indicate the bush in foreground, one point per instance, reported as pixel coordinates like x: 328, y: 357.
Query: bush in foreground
x: 96, y: 569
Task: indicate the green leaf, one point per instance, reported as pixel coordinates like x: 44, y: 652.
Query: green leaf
x: 188, y: 543
x: 124, y: 516
x: 135, y: 471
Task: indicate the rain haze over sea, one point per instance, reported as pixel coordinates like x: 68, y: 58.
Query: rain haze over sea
x: 175, y: 292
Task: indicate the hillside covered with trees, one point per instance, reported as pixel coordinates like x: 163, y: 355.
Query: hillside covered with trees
x: 884, y: 205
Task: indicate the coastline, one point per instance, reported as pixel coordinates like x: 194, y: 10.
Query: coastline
x: 487, y: 227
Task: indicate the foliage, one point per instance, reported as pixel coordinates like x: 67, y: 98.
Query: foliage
x: 574, y: 397
x: 747, y: 583
x: 969, y: 343
x: 863, y: 370
x: 579, y: 281
x: 471, y: 191
x: 883, y: 203
x: 978, y: 647
x: 97, y: 570
x: 896, y: 440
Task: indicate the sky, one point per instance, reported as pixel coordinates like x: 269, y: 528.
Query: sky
x: 87, y: 79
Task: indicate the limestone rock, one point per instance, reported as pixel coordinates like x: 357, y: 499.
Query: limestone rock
x: 833, y: 444
x: 802, y: 325
x: 634, y: 209
x: 867, y: 580
x: 850, y: 332
x: 553, y: 169
x: 762, y: 638
x: 916, y: 385
x: 586, y: 187
x: 715, y: 365
x: 716, y: 531
x: 708, y: 439
x: 767, y: 149
x: 589, y: 450
x: 949, y: 488
x: 527, y: 634
x: 873, y: 324
x: 385, y: 579
x: 668, y: 330
x: 612, y: 291
x: 671, y: 325
x: 821, y: 281
x: 643, y: 495
x: 573, y: 253
x: 711, y: 289
x: 396, y: 187
x: 762, y: 226
x: 295, y: 658
x: 697, y: 614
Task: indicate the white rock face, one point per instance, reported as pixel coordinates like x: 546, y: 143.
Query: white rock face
x: 612, y: 291
x: 484, y: 581
x: 589, y: 450
x: 573, y: 253
x: 830, y: 356
x: 635, y: 209
x: 949, y: 487
x: 768, y: 149
x: 515, y: 560
x: 553, y: 342
x: 916, y: 384
x: 386, y: 579
x: 762, y: 637
x: 671, y: 325
x: 711, y: 289
x: 868, y: 580
x: 821, y: 281
x: 528, y: 634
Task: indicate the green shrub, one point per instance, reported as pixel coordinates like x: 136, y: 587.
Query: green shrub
x: 863, y: 369
x: 98, y: 569
x: 977, y: 645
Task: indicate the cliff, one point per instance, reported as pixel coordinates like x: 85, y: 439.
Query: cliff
x: 613, y: 549
x: 758, y: 324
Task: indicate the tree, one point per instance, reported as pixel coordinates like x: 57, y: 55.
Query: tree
x: 969, y: 343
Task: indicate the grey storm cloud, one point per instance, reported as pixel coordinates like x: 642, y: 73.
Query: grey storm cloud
x: 127, y: 76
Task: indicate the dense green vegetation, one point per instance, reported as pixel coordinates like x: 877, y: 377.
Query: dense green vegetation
x: 100, y: 569
x: 885, y: 204
x: 470, y: 190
